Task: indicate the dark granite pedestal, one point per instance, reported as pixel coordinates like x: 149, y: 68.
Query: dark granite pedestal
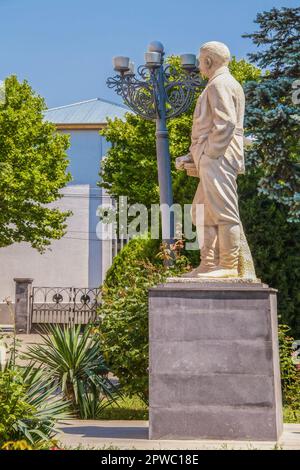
x: 214, y: 362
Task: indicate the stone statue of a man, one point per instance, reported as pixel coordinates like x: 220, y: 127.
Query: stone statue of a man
x: 217, y: 152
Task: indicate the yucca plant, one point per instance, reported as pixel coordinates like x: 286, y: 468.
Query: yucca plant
x: 74, y: 361
x: 45, y: 399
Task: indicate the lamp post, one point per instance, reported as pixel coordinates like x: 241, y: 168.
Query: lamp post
x: 158, y: 92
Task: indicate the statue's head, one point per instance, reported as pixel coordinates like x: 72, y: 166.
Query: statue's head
x: 212, y: 56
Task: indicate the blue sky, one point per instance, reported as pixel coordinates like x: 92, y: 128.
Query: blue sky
x: 64, y: 47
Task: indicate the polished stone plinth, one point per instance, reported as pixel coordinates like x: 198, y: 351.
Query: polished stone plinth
x: 214, y: 362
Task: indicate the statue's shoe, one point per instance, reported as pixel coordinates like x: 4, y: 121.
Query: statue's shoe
x: 199, y: 270
x: 219, y: 274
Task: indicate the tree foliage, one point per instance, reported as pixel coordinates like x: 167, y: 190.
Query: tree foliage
x: 275, y: 246
x: 271, y: 114
x: 33, y: 165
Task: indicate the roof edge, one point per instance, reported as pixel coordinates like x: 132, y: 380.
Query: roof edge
x: 87, y: 101
x: 80, y: 126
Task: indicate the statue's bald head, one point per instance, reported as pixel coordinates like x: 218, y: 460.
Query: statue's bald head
x: 213, y: 55
x: 217, y: 51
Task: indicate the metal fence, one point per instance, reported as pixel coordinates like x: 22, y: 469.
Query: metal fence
x: 64, y: 305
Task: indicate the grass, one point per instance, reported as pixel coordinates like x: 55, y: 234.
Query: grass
x: 126, y: 408
x: 291, y: 416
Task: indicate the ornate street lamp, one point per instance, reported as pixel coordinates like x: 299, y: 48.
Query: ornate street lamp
x: 158, y: 92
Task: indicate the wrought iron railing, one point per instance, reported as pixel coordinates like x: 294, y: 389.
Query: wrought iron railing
x: 64, y: 305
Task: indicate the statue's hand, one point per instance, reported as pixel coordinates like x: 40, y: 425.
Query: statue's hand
x: 180, y: 161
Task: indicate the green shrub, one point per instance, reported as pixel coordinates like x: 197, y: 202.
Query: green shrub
x: 13, y: 404
x: 290, y: 379
x: 136, y: 251
x: 28, y: 408
x: 124, y: 311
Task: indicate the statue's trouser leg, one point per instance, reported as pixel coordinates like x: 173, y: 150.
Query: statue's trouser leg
x: 209, y: 249
x: 218, y: 193
x: 229, y: 242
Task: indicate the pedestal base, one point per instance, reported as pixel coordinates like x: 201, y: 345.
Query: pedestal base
x: 214, y: 362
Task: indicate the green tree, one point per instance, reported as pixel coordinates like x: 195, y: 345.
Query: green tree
x: 275, y: 246
x: 130, y: 167
x: 33, y: 164
x: 271, y: 112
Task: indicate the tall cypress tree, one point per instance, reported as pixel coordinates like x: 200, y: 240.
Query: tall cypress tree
x: 272, y: 114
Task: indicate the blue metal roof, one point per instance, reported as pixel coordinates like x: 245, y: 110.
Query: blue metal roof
x: 93, y: 111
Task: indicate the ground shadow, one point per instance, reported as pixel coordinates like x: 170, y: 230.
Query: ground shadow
x: 113, y: 432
